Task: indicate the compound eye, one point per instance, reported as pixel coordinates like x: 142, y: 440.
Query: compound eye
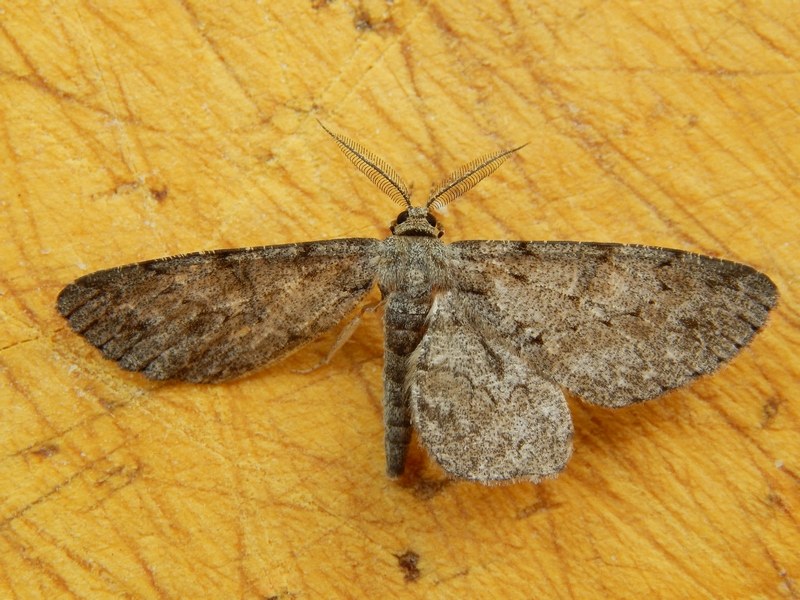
x: 401, y: 218
x: 431, y: 220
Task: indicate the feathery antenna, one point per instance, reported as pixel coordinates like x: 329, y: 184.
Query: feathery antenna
x: 467, y: 177
x: 374, y: 167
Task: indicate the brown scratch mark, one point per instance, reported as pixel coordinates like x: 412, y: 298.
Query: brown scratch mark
x: 542, y: 504
x: 62, y: 433
x: 363, y: 20
x: 283, y: 595
x: 159, y: 194
x: 19, y: 343
x: 36, y: 563
x: 784, y: 469
x: 153, y: 187
x: 440, y: 22
x: 114, y: 480
x: 199, y: 27
x: 13, y: 294
x: 58, y: 487
x: 775, y: 500
x: 745, y: 433
x: 124, y: 473
x: 407, y: 562
x: 317, y: 4
x: 769, y: 411
x: 39, y: 82
x: 765, y: 40
x: 109, y: 405
x: 126, y: 140
x: 87, y: 563
x: 457, y: 575
x: 138, y: 556
x: 6, y: 521
x: 46, y: 450
x: 786, y: 586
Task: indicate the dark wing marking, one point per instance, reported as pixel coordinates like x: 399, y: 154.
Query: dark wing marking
x: 212, y: 316
x: 613, y: 323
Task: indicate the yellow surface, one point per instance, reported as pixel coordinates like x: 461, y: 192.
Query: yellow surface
x: 131, y: 130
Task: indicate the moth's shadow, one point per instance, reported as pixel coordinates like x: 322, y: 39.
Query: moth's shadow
x: 616, y: 431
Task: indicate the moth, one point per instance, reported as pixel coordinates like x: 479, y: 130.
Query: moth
x: 481, y: 337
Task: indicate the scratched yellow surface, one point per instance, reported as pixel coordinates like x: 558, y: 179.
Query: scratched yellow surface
x: 131, y: 130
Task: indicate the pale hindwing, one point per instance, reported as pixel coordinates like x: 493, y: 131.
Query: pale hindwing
x: 477, y: 406
x: 614, y: 324
x: 211, y: 316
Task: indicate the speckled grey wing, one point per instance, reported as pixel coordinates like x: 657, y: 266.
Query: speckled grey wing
x: 615, y: 324
x: 477, y: 406
x: 212, y: 316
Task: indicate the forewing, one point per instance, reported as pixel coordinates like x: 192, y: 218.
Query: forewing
x: 615, y: 324
x: 479, y: 409
x: 211, y: 316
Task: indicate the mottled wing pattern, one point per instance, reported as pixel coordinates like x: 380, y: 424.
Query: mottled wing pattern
x: 477, y: 406
x: 212, y: 316
x: 615, y: 324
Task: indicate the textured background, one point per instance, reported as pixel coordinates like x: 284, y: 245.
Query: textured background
x: 131, y: 130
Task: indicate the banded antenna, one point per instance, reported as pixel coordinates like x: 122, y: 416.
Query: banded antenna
x: 467, y: 177
x: 373, y: 166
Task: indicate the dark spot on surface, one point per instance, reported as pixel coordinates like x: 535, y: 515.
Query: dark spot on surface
x: 769, y: 411
x: 519, y: 276
x: 317, y: 4
x: 46, y: 450
x: 380, y: 23
x: 108, y: 405
x: 362, y: 21
x: 408, y: 561
x: 284, y: 595
x: 159, y: 194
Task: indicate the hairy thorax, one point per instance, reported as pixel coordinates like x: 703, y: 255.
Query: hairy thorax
x: 413, y: 266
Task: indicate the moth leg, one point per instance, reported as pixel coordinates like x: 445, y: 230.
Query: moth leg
x: 342, y: 337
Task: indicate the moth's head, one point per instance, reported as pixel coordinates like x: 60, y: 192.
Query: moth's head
x: 417, y: 220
